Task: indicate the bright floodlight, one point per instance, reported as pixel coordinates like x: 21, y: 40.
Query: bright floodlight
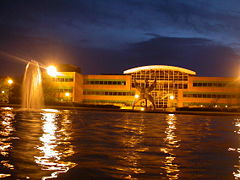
x: 136, y: 96
x: 67, y: 94
x: 10, y: 81
x: 171, y: 97
x: 52, y: 71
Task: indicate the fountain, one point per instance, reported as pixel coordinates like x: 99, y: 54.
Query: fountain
x: 32, y: 93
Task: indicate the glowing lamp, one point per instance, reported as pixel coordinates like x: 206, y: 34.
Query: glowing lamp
x: 52, y: 71
x: 10, y: 81
x: 171, y: 97
x: 67, y: 94
x: 142, y: 109
x: 136, y: 96
x: 3, y: 92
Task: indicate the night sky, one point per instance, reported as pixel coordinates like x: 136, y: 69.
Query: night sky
x: 110, y: 36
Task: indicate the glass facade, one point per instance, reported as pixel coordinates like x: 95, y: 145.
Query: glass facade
x: 168, y: 81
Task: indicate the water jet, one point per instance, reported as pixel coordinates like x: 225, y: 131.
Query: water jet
x: 32, y: 92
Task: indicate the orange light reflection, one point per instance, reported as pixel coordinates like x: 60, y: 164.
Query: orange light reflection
x: 171, y: 141
x: 54, y: 135
x: 6, y: 130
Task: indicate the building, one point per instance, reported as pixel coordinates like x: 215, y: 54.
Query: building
x: 151, y: 87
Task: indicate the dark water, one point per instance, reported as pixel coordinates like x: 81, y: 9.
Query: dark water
x: 114, y: 145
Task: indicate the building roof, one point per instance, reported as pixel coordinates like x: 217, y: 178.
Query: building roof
x: 158, y: 67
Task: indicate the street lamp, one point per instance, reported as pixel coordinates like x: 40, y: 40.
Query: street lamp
x: 171, y: 97
x: 9, y: 81
x: 136, y: 96
x: 67, y: 94
x: 52, y: 71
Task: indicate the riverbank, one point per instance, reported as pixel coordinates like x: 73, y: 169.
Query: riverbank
x: 115, y: 109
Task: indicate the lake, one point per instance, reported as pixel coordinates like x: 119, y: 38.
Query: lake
x: 73, y: 144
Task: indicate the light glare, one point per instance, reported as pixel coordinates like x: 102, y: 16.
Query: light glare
x: 171, y: 97
x: 136, y: 96
x: 10, y: 81
x: 52, y: 71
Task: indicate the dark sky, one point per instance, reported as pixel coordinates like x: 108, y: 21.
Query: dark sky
x: 110, y: 36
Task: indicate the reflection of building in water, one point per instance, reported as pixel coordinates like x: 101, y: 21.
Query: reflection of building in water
x: 236, y: 174
x: 56, y: 144
x: 133, y: 136
x: 6, y: 130
x: 171, y: 143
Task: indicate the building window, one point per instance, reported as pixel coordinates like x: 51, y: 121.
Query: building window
x: 213, y: 84
x: 62, y: 79
x: 105, y: 82
x: 210, y: 95
x: 109, y: 93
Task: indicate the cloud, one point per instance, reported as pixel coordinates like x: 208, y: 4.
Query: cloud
x: 122, y: 21
x: 205, y: 56
x: 111, y: 36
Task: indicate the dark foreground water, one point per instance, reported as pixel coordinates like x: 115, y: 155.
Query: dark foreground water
x: 115, y: 145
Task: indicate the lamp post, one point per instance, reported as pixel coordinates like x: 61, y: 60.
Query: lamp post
x: 67, y: 95
x: 9, y: 88
x: 171, y: 102
x: 52, y: 71
x: 51, y: 93
x: 9, y: 81
x: 5, y: 87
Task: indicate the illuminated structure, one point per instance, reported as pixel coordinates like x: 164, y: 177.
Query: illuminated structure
x: 173, y: 87
x: 169, y: 80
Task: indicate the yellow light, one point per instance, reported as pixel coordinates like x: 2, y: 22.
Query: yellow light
x: 10, y: 81
x: 67, y: 94
x: 142, y: 109
x: 3, y: 92
x: 136, y: 96
x: 171, y: 97
x: 159, y: 67
x: 52, y: 71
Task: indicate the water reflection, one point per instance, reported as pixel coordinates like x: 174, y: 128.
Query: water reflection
x: 6, y: 131
x: 236, y: 173
x: 171, y: 143
x: 133, y: 136
x: 56, y: 144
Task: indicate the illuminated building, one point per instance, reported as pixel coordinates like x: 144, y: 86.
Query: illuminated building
x: 173, y: 87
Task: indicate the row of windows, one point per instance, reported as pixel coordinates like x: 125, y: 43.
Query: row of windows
x: 220, y: 84
x: 155, y: 72
x: 165, y: 86
x: 109, y: 93
x: 106, y: 102
x: 106, y: 82
x: 209, y: 84
x: 62, y: 79
x: 196, y: 95
x: 63, y: 90
x: 176, y: 78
